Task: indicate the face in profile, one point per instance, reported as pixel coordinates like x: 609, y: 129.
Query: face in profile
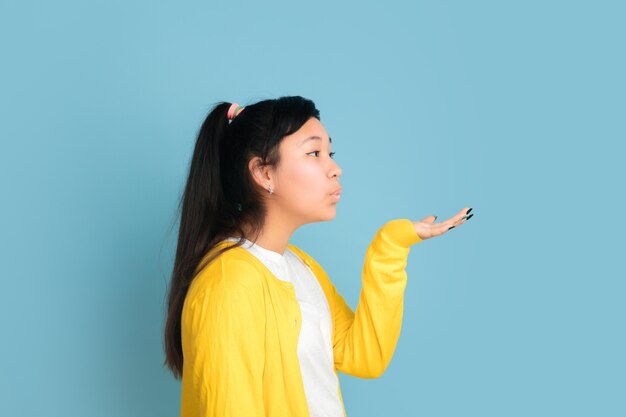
x: 307, y: 175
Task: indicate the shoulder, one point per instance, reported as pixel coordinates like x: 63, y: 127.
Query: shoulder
x: 231, y: 287
x: 231, y: 271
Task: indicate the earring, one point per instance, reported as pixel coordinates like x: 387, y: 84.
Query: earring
x: 269, y: 188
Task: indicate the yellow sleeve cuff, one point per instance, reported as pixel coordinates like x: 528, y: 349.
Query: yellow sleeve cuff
x: 401, y: 232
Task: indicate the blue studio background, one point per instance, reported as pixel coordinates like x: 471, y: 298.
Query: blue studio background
x: 513, y: 108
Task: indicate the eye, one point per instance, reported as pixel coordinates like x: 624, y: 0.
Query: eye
x: 331, y: 154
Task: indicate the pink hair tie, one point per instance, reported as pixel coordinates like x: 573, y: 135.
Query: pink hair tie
x: 234, y: 111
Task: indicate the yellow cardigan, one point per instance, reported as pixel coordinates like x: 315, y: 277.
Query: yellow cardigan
x: 240, y: 327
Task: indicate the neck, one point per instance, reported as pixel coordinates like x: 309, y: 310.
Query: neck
x: 276, y: 232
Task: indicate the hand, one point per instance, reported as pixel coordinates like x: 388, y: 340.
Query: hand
x: 427, y: 228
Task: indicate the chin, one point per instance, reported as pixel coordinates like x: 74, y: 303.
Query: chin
x: 331, y: 213
x: 324, y: 214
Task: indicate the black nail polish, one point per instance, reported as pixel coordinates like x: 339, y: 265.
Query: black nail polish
x: 467, y: 212
x: 470, y: 216
x: 451, y: 227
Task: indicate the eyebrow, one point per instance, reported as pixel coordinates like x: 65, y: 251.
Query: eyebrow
x: 315, y: 138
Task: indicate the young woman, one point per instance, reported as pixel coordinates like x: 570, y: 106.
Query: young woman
x: 254, y: 325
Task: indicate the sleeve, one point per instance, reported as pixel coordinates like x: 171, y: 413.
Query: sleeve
x: 364, y: 342
x: 226, y: 331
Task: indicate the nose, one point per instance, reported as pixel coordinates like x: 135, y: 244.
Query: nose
x: 336, y: 170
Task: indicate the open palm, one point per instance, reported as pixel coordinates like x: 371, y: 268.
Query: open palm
x: 427, y: 228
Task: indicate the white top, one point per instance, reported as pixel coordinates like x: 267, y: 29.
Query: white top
x: 315, y: 350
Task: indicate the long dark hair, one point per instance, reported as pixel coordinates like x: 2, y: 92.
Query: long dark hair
x: 220, y: 194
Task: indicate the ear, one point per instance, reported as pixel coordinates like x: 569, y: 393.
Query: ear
x: 260, y: 174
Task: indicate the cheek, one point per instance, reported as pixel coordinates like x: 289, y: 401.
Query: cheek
x: 306, y: 181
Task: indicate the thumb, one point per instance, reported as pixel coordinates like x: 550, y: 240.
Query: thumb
x: 429, y: 219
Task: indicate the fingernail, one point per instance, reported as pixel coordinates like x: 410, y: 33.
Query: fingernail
x: 435, y: 217
x: 451, y: 227
x: 470, y: 216
x: 467, y: 212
